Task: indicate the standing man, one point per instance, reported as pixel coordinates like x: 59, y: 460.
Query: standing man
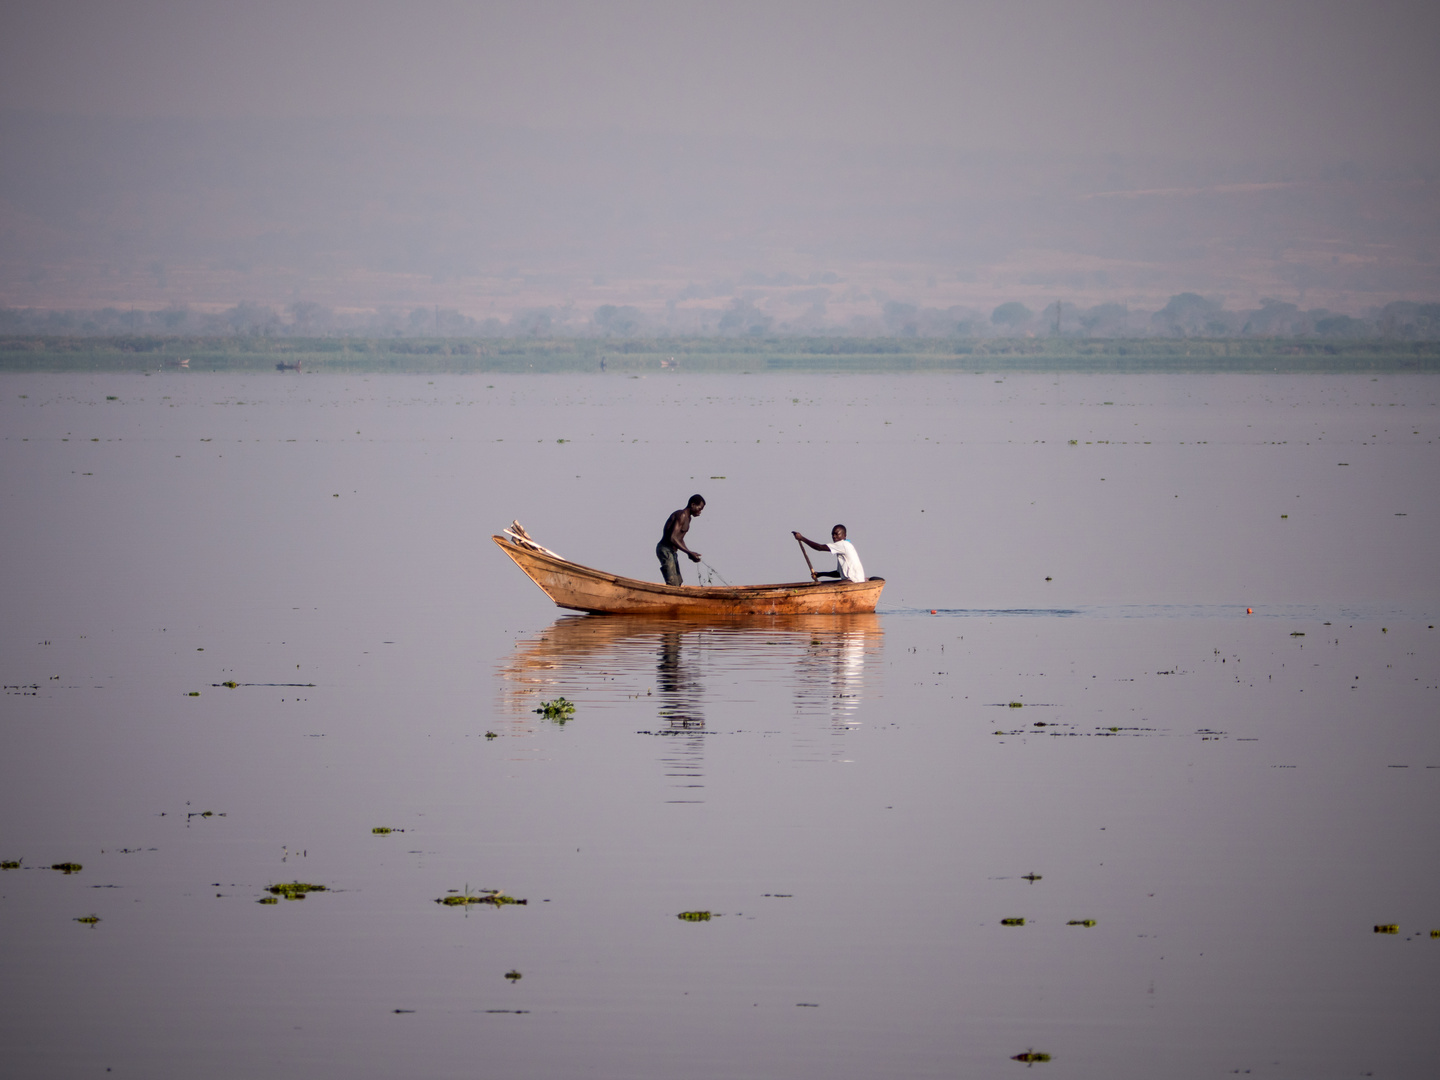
x: 847, y: 558
x: 676, y: 526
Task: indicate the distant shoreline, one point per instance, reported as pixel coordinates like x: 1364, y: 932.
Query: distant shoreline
x: 711, y: 354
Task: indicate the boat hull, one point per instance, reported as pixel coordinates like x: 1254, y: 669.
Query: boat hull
x: 581, y: 588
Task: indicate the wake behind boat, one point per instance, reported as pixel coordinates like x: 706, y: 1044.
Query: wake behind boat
x: 582, y: 588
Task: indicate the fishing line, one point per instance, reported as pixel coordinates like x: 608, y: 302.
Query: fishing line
x: 713, y: 573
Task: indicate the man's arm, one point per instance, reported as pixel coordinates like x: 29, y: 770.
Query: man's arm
x: 812, y: 543
x: 677, y: 535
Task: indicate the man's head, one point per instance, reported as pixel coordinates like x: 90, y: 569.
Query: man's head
x: 837, y: 534
x: 697, y: 503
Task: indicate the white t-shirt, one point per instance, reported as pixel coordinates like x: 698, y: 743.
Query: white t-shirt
x: 849, y: 560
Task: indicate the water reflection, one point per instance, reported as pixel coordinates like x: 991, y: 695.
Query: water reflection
x: 817, y: 662
x: 677, y: 679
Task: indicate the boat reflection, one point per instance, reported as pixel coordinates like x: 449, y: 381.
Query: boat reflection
x: 684, y: 669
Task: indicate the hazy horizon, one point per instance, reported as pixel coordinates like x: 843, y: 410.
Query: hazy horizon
x: 813, y: 163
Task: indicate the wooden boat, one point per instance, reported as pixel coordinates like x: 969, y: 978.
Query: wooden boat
x: 582, y: 588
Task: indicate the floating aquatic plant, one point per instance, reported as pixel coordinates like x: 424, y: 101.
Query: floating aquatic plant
x: 268, y: 900
x: 295, y: 890
x: 1081, y: 922
x: 67, y: 867
x: 1387, y: 928
x: 1017, y: 704
x: 513, y: 975
x: 1012, y: 922
x: 89, y: 920
x: 1031, y: 1056
x: 560, y: 709
x: 493, y: 897
x: 695, y: 916
x: 10, y: 864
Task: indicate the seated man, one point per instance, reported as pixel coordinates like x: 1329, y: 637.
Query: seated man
x: 676, y: 526
x: 847, y: 558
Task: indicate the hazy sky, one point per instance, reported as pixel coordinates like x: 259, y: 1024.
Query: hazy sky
x: 1330, y: 79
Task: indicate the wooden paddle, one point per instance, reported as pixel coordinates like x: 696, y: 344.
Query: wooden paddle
x: 807, y: 558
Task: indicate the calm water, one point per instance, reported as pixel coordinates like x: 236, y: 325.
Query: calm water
x: 1234, y: 799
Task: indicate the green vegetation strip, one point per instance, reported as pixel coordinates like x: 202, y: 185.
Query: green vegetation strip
x: 142, y: 352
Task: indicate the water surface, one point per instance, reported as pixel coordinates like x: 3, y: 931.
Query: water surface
x: 1062, y: 712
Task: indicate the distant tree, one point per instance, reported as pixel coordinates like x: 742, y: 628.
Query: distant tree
x: 609, y: 319
x: 1405, y: 318
x: 743, y: 317
x: 306, y: 316
x: 1104, y: 319
x: 255, y: 319
x: 1013, y: 315
x: 173, y: 318
x: 1273, y: 317
x: 1186, y: 313
x: 1340, y: 326
x: 533, y: 322
x: 1302, y: 276
x: 1058, y: 317
x: 901, y: 318
x: 450, y: 322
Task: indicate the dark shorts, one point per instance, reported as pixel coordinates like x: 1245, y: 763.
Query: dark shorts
x: 669, y: 564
